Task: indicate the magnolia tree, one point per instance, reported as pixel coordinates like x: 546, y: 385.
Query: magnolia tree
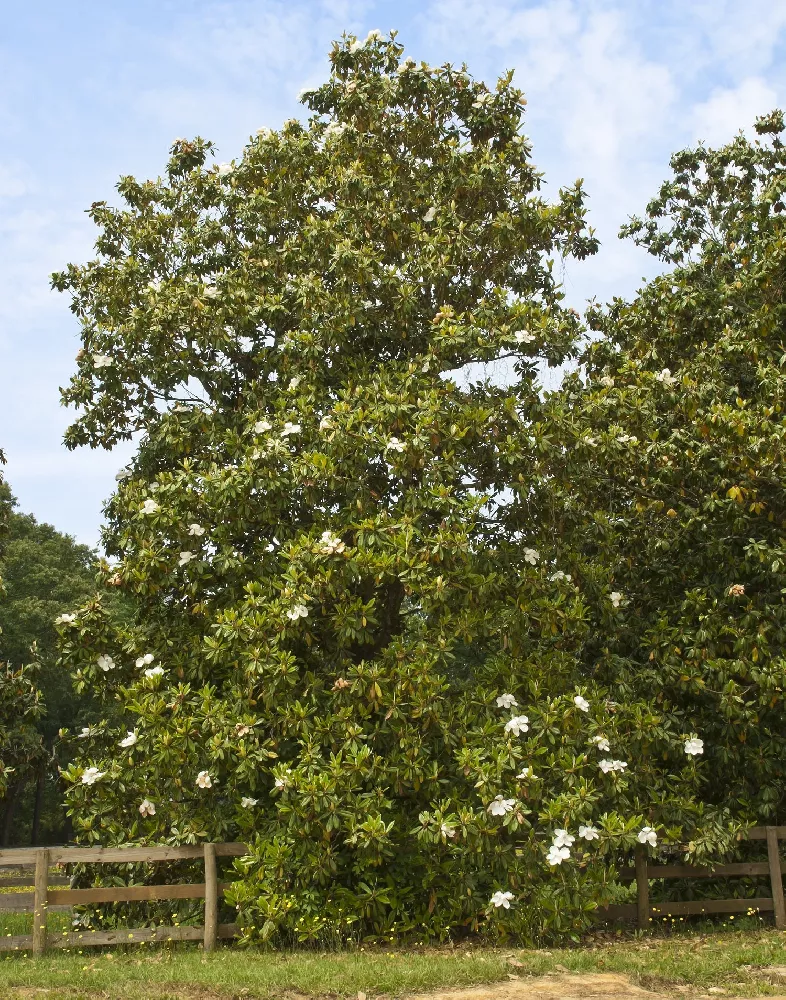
x: 673, y: 469
x: 352, y: 647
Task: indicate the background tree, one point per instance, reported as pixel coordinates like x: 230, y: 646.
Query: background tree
x: 45, y: 574
x: 672, y: 474
x: 341, y: 612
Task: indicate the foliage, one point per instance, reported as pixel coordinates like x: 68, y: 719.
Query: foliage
x: 672, y: 471
x: 342, y: 600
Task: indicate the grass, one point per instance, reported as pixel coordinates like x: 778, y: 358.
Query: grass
x: 731, y: 957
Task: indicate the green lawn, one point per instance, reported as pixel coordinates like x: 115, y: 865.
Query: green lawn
x: 729, y: 957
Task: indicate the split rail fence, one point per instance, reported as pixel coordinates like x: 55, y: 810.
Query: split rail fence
x: 43, y: 898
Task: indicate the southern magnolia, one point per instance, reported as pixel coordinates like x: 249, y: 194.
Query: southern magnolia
x: 368, y: 582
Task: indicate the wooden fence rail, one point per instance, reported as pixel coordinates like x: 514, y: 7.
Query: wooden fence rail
x: 43, y: 898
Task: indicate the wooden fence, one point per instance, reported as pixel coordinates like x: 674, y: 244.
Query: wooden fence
x: 43, y: 898
x: 643, y: 911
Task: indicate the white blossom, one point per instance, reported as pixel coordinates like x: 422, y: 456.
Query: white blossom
x: 616, y: 598
x: 506, y: 701
x: 589, y: 833
x: 261, y: 426
x: 557, y: 855
x: 210, y: 291
x: 290, y: 428
x: 186, y: 557
x: 130, y: 739
x: 247, y: 802
x: 294, y: 383
x: 482, y: 100
x: 531, y: 556
x: 647, y: 835
x: 499, y: 806
x: 563, y: 839
x: 665, y: 377
x: 326, y: 424
x: 374, y: 35
x: 517, y: 725
x: 408, y: 63
x: 331, y: 544
x: 526, y: 773
x: 736, y: 590
x: 694, y: 746
x: 356, y: 46
x: 105, y: 662
x: 581, y: 703
x: 627, y: 439
x: 298, y: 611
x: 502, y: 899
x: 242, y: 729
x: 559, y: 576
x: 196, y: 530
x: 154, y: 672
x: 224, y: 169
x: 334, y: 130
x: 91, y: 775
x: 447, y: 830
x: 612, y: 765
x: 601, y: 743
x: 607, y: 381
x: 147, y: 808
x: 429, y: 216
x: 150, y: 506
x: 65, y: 619
x: 524, y: 337
x: 101, y: 361
x: 85, y: 732
x: 123, y: 474
x: 144, y: 661
x: 395, y: 445
x: 204, y: 780
x: 282, y: 781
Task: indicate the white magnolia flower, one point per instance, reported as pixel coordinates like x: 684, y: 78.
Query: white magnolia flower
x: 123, y: 474
x: 558, y: 576
x: 429, y: 216
x: 665, y: 377
x: 105, y: 662
x: 144, y: 661
x: 91, y: 775
x: 85, y: 732
x: 149, y: 506
x: 130, y: 739
x: 374, y: 35
x: 517, y: 725
x: 101, y: 361
x: 247, y: 802
x: 501, y: 806
x: 607, y: 381
x: 581, y: 703
x: 224, y: 169
x: 196, y: 530
x: 694, y: 746
x: 395, y: 445
x: 502, y: 899
x: 356, y: 46
x: 241, y: 729
x: 531, y: 556
x: 647, y: 835
x: 290, y: 428
x: 482, y: 100
x: 526, y: 773
x: 557, y: 855
x: 294, y: 383
x: 616, y: 598
x: 524, y: 337
x: 447, y: 830
x: 506, y: 701
x: 298, y: 611
x: 154, y: 672
x: 261, y: 426
x: 627, y: 439
x: 601, y: 743
x: 210, y: 291
x: 331, y: 544
x: 563, y: 839
x: 736, y: 590
x: 282, y: 781
x: 408, y: 63
x: 204, y: 780
x: 589, y: 833
x: 612, y: 765
x: 147, y: 808
x: 65, y: 619
x: 334, y: 130
x: 326, y: 424
x: 186, y: 557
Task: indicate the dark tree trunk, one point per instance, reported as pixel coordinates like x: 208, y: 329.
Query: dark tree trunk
x: 39, y: 802
x: 12, y: 801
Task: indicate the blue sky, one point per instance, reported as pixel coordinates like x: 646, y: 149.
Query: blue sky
x: 92, y: 90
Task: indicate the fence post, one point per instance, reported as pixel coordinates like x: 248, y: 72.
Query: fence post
x: 211, y: 898
x: 776, y: 879
x: 39, y: 904
x: 642, y: 889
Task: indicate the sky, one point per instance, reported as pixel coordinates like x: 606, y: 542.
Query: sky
x: 90, y: 91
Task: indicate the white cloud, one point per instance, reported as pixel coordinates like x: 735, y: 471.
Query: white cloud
x: 731, y: 109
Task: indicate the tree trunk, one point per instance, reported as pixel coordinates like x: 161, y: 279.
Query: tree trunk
x: 39, y: 802
x: 12, y: 801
